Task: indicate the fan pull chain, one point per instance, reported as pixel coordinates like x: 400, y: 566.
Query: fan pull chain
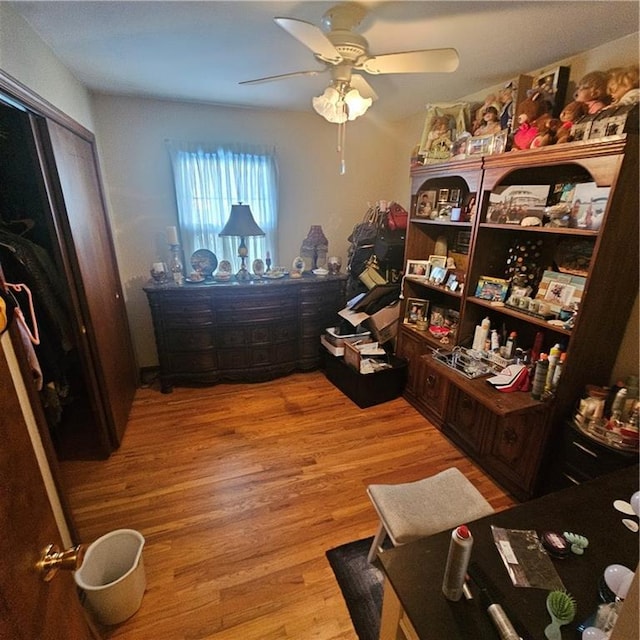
x: 342, y: 137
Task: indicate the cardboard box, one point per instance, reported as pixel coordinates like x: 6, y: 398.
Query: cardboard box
x: 359, y: 335
x: 383, y: 322
x: 368, y: 389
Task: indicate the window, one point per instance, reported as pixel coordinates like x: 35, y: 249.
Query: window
x: 209, y: 181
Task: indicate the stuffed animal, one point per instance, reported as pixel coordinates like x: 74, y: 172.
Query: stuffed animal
x: 531, y: 114
x: 571, y: 113
x: 547, y: 133
x: 592, y: 90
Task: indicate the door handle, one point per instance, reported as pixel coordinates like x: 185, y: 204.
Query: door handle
x: 53, y: 559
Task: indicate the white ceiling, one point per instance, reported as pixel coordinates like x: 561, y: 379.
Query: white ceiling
x: 200, y: 51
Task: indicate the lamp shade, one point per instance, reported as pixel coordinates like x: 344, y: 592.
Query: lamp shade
x: 241, y: 223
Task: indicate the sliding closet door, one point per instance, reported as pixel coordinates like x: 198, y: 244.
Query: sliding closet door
x: 92, y: 255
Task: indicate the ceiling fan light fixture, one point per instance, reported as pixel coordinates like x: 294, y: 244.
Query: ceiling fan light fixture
x: 342, y: 103
x: 356, y: 104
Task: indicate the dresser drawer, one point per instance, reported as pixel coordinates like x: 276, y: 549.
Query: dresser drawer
x: 188, y: 362
x: 189, y: 339
x: 467, y: 421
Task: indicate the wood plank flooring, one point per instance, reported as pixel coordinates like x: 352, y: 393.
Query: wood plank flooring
x: 239, y: 490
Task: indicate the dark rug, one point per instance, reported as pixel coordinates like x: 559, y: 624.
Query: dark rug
x: 361, y: 586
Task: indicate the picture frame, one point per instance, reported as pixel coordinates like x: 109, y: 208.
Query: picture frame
x: 438, y: 261
x: 444, y: 210
x: 452, y: 282
x: 438, y: 275
x: 480, y: 145
x: 492, y: 289
x: 443, y: 195
x: 454, y: 196
x: 559, y: 290
x: 426, y: 204
x: 418, y: 268
x: 588, y: 206
x: 499, y: 144
x: 552, y: 85
x: 443, y: 124
x: 511, y: 204
x: 416, y: 309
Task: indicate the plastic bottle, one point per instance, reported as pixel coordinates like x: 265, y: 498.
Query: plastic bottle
x: 558, y: 372
x: 457, y: 562
x: 481, y: 335
x: 618, y: 404
x: 495, y: 341
x: 540, y: 376
x: 554, y: 357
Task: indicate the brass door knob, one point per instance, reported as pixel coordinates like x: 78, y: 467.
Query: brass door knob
x: 53, y: 559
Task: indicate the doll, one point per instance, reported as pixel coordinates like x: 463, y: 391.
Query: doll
x: 490, y: 101
x: 592, y: 90
x: 531, y: 115
x: 506, y: 109
x: 622, y: 85
x: 439, y: 137
x: 547, y: 133
x: 571, y: 113
x: 490, y: 123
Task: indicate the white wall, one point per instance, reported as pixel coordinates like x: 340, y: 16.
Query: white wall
x: 25, y: 57
x: 131, y: 134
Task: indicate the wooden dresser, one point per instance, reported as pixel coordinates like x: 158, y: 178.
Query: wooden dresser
x: 207, y: 333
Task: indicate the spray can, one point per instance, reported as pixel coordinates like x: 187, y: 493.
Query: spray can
x: 510, y: 346
x: 457, y: 562
x: 540, y: 376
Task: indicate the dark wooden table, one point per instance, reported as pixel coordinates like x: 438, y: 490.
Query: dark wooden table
x: 414, y: 571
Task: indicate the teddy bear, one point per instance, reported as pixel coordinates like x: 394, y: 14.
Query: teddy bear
x: 530, y: 116
x: 547, y: 133
x: 571, y: 113
x: 592, y: 91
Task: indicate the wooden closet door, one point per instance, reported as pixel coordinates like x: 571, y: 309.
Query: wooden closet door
x: 92, y: 254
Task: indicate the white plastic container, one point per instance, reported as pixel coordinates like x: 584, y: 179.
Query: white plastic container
x: 112, y: 575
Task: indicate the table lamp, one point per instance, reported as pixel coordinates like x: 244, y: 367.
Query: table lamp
x: 242, y: 224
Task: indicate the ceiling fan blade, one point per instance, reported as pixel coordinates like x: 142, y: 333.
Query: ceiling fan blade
x: 428, y: 61
x: 363, y: 87
x: 283, y: 76
x: 311, y: 37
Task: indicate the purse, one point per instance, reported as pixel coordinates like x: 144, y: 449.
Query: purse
x: 396, y: 217
x: 371, y: 277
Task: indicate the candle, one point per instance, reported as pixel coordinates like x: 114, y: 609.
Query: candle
x: 172, y: 235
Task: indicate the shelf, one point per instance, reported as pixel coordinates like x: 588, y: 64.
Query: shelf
x: 562, y: 231
x: 508, y: 311
x: 432, y: 341
x: 433, y: 287
x: 442, y: 222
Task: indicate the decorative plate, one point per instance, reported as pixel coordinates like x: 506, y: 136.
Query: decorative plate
x: 204, y: 261
x: 258, y: 267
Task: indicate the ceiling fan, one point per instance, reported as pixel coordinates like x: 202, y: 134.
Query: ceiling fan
x: 343, y: 51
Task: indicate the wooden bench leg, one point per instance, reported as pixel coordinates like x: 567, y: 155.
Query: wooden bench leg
x: 377, y: 542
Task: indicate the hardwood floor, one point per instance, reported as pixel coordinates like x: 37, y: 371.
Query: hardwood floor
x: 239, y: 490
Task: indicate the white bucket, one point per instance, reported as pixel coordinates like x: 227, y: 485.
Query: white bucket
x: 112, y: 575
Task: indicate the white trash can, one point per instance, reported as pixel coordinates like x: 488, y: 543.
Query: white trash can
x: 112, y: 575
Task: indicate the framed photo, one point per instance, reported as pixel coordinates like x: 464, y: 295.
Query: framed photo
x: 480, y: 145
x: 513, y: 203
x: 444, y: 210
x: 443, y: 195
x: 560, y: 290
x: 443, y: 124
x: 499, y: 144
x: 589, y: 205
x: 493, y: 289
x: 454, y: 195
x: 418, y: 268
x: 438, y: 261
x: 426, y: 204
x: 452, y: 282
x: 552, y: 85
x: 416, y: 309
x: 438, y: 275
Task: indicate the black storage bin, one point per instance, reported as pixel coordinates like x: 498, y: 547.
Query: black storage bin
x: 367, y: 389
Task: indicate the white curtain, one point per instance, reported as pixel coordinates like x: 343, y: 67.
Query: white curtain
x: 208, y: 180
